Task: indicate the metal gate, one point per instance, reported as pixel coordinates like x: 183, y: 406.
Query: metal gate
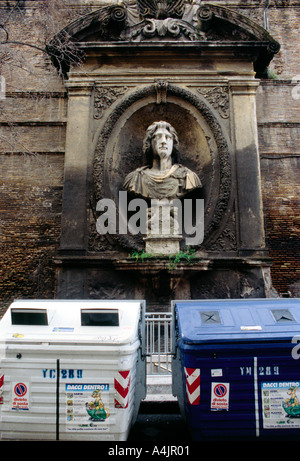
x: 158, y: 343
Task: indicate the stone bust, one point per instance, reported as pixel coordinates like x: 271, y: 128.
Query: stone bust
x: 163, y: 177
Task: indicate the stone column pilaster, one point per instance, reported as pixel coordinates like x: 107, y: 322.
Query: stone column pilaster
x: 245, y: 138
x: 74, y: 214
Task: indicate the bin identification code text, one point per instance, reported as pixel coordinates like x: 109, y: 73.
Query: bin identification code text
x: 64, y: 373
x: 261, y: 371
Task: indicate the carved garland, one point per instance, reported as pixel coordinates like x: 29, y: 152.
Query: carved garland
x: 218, y: 97
x: 104, y: 97
x: 225, y: 186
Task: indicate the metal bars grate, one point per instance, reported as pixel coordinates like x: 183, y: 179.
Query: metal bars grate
x: 159, y: 342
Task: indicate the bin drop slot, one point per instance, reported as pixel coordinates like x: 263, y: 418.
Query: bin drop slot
x: 29, y: 317
x: 210, y: 317
x: 100, y: 318
x: 282, y: 315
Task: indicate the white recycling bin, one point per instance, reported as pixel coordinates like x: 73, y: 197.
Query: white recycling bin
x: 71, y: 369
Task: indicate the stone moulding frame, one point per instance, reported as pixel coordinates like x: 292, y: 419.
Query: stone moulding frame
x: 215, y: 220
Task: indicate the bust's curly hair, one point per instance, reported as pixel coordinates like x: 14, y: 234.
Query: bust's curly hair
x: 147, y: 148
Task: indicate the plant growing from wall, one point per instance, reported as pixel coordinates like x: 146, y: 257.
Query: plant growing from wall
x: 182, y: 256
x: 174, y: 259
x: 140, y: 255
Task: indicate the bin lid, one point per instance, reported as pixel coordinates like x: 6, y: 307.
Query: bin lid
x: 74, y: 321
x: 237, y: 319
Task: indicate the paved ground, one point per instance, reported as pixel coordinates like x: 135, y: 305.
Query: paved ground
x: 159, y: 422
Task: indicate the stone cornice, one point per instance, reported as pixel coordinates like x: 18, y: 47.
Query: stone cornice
x: 131, y: 27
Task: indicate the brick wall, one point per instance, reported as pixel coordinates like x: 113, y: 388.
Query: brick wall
x: 278, y: 111
x: 30, y: 209
x: 281, y: 192
x: 32, y: 132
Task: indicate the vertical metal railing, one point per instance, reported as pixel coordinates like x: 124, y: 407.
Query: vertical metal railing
x: 158, y: 342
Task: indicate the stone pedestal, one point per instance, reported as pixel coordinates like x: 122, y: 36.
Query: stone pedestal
x: 162, y: 244
x: 163, y: 236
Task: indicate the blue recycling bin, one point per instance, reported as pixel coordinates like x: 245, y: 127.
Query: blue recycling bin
x: 236, y: 367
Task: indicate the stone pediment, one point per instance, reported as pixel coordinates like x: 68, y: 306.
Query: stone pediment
x: 158, y: 22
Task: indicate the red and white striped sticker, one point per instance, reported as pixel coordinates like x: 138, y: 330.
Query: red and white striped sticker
x: 192, y: 381
x: 122, y: 383
x: 1, y: 387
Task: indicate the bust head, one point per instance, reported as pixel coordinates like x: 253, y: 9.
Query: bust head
x: 151, y: 140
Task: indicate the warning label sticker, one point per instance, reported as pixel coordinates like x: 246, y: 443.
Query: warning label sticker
x: 281, y: 405
x: 219, y: 396
x: 20, y: 396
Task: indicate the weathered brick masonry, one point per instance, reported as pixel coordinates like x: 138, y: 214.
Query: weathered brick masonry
x: 279, y: 131
x: 30, y: 206
x: 32, y: 162
x: 32, y: 124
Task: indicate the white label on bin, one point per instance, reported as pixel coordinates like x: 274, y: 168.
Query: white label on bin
x: 281, y: 404
x: 87, y: 407
x: 20, y: 395
x: 216, y: 372
x: 251, y: 328
x: 219, y: 396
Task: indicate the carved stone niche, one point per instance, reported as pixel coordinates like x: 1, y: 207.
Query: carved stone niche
x: 193, y: 65
x: 204, y: 148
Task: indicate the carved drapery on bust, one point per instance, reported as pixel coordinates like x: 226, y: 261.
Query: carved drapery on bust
x: 174, y: 183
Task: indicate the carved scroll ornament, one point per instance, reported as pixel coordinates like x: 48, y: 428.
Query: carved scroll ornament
x: 151, y: 28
